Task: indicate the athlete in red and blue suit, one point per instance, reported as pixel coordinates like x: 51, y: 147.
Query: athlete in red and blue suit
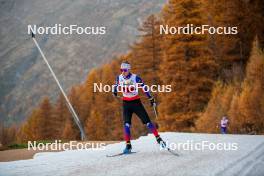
x: 129, y: 83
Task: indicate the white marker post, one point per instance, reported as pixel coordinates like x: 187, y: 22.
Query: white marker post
x: 74, y: 115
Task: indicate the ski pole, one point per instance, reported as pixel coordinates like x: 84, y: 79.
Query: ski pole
x: 70, y: 107
x: 155, y: 111
x: 156, y: 114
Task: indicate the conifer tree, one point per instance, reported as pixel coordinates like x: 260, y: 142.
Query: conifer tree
x: 146, y: 53
x: 187, y: 65
x: 231, y: 50
x: 60, y: 114
x: 251, y: 100
x: 45, y: 119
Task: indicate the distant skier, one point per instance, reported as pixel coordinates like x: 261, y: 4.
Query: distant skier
x: 224, y: 123
x: 132, y: 104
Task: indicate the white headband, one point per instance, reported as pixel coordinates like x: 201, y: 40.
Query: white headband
x: 125, y: 66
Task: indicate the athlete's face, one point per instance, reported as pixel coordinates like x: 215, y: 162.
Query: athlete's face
x: 124, y: 72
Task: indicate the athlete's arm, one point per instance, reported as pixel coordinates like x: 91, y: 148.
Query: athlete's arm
x: 115, y: 86
x: 144, y: 88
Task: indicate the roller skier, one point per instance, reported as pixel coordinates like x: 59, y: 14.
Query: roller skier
x: 130, y: 84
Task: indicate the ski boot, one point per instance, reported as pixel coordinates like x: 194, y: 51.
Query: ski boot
x: 161, y: 142
x: 128, y: 148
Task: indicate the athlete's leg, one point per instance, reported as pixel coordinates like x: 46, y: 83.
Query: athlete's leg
x: 143, y: 115
x: 153, y: 129
x: 127, y: 115
x: 223, y: 130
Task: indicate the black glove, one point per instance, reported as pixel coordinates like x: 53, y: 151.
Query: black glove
x: 115, y: 94
x: 152, y: 101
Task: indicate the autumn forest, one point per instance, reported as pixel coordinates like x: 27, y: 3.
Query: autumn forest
x: 211, y: 76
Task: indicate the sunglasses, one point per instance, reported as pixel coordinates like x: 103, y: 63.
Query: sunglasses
x: 124, y: 70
